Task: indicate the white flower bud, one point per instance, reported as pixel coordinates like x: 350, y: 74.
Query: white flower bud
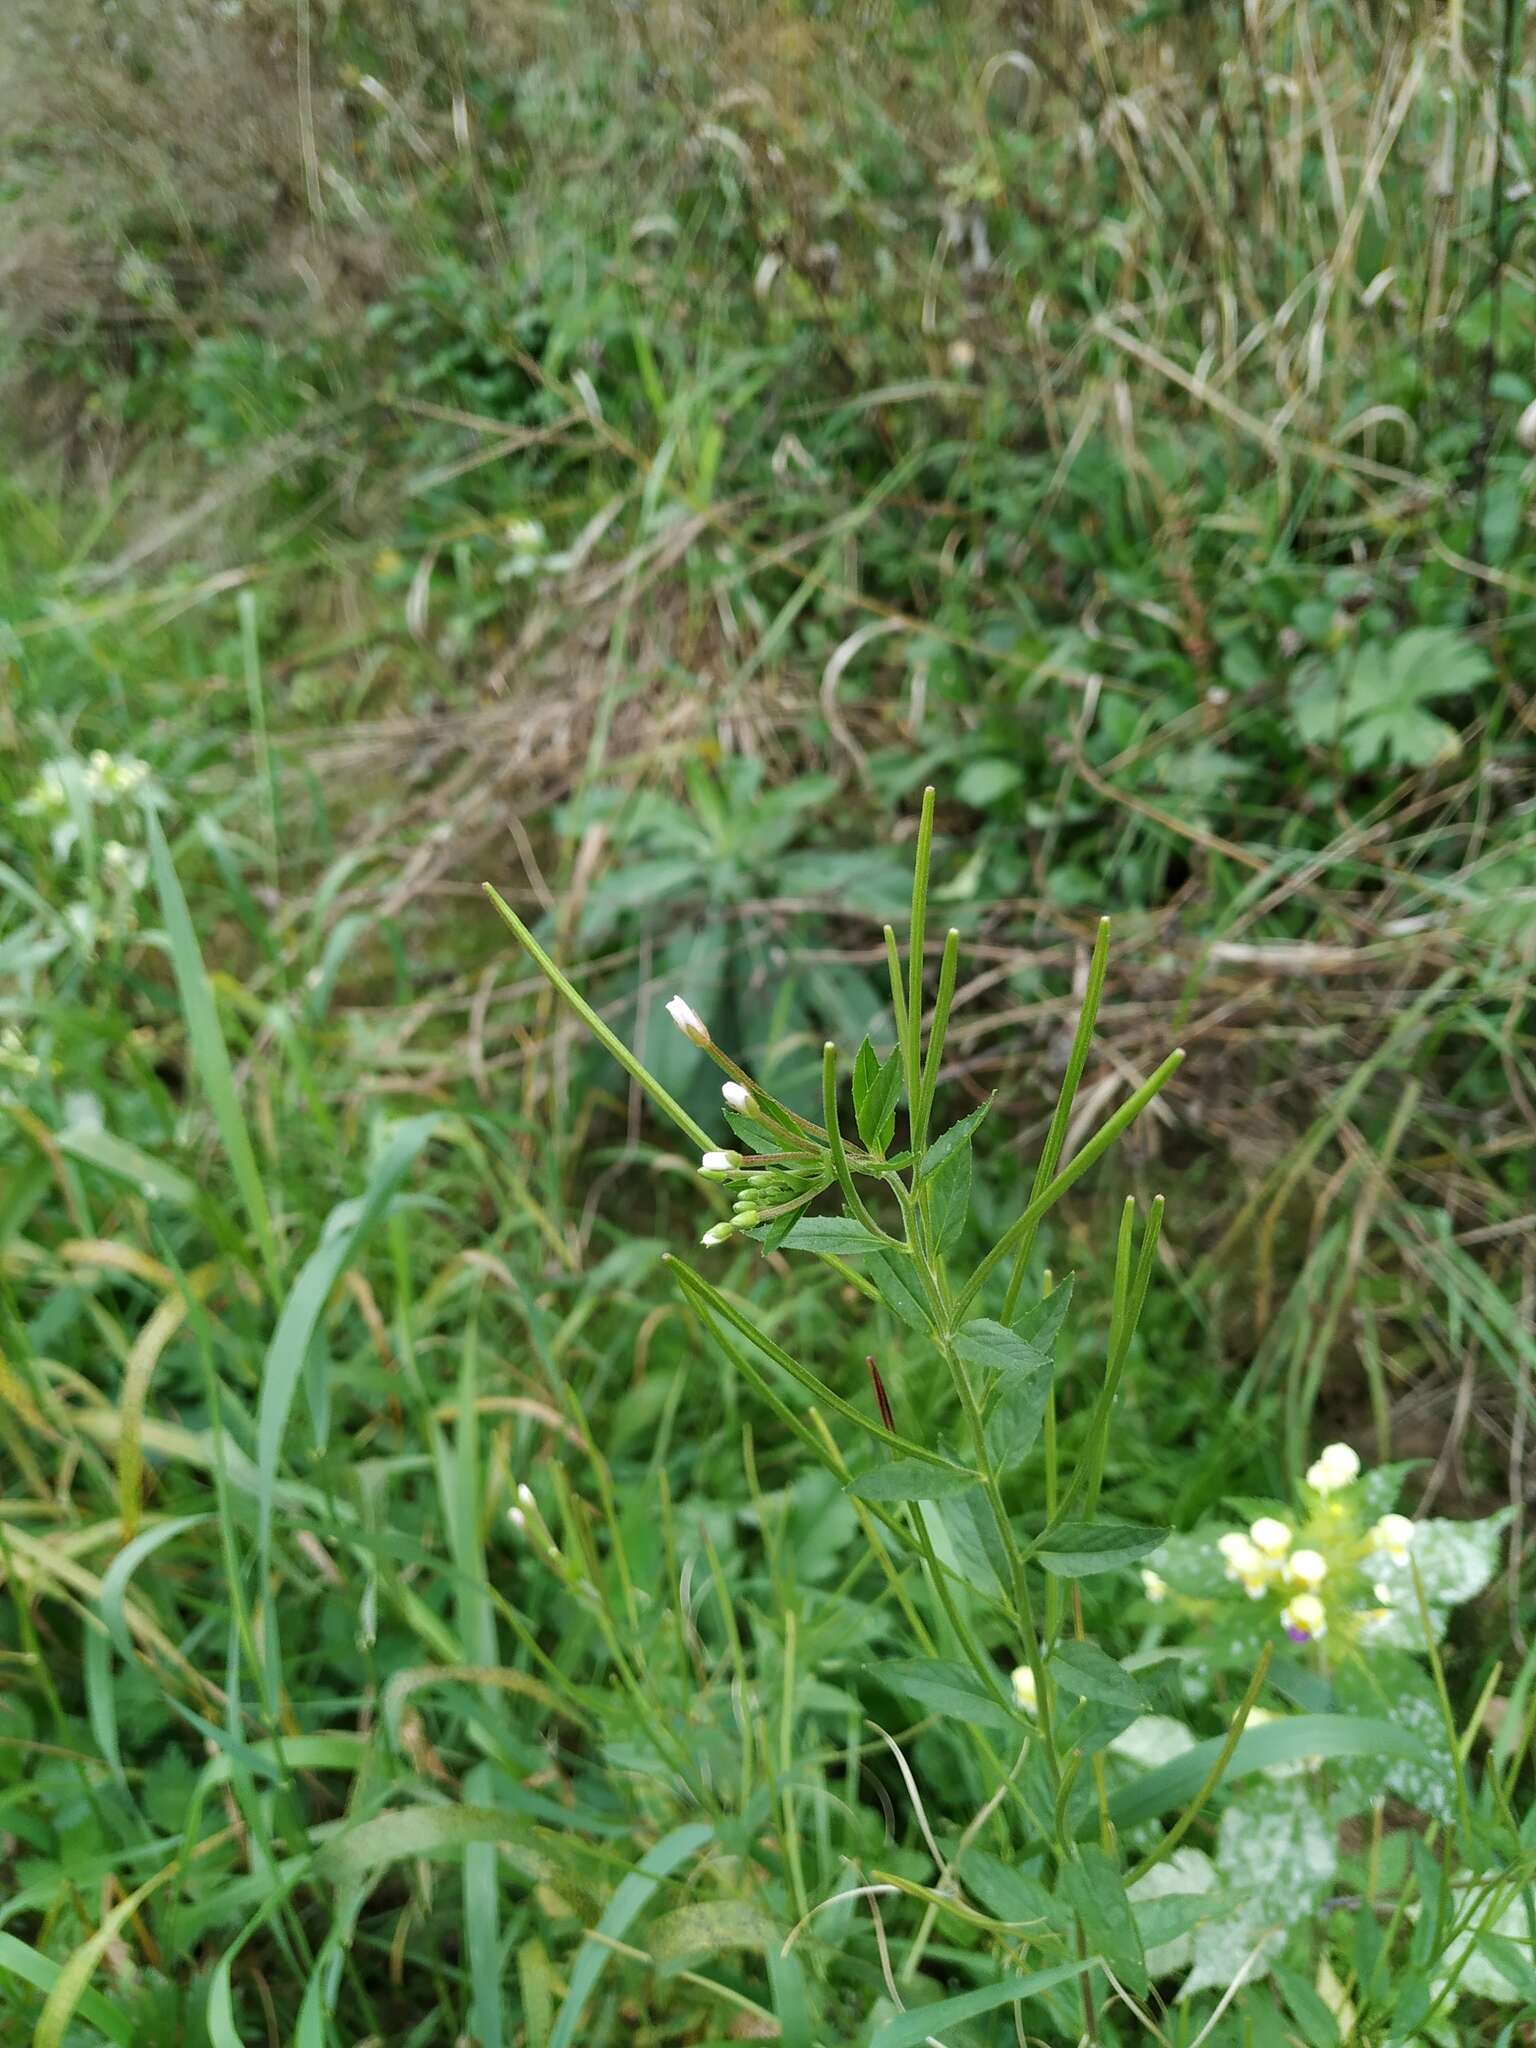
x: 1394, y: 1535
x: 1337, y: 1466
x: 1025, y: 1690
x: 718, y: 1235
x: 1306, y: 1568
x: 525, y: 1495
x: 518, y: 1520
x: 1525, y: 428
x: 688, y: 1021
x: 738, y: 1098
x: 1304, y: 1619
x: 720, y: 1162
x: 1156, y: 1589
x: 1269, y: 1537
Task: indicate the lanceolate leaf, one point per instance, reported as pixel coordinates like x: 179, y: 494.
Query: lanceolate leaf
x: 906, y: 1479
x: 840, y: 1234
x: 958, y: 1134
x: 1073, y: 1550
x: 896, y: 1290
x: 949, y: 1196
x: 1085, y: 1669
x: 993, y: 1347
x: 950, y: 1689
x: 1095, y: 1890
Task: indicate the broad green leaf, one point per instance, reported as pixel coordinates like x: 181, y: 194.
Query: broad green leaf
x: 1085, y: 1669
x: 407, y: 1832
x: 909, y: 2029
x: 1095, y: 1890
x: 1388, y: 686
x: 983, y: 782
x: 1015, y: 1421
x: 970, y: 1529
x: 948, y: 1194
x: 1169, y: 1902
x: 993, y: 1347
x: 1073, y: 1550
x: 1039, y: 1322
x: 710, y: 1927
x: 1300, y: 1737
x: 1276, y: 1852
x: 1012, y: 1895
x: 907, y: 1479
x: 631, y: 1896
x: 950, y: 1689
x: 840, y: 1234
x: 946, y: 1144
x: 209, y: 1053
x: 899, y: 1294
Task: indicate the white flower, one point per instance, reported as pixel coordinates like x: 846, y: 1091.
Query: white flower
x: 107, y: 776
x: 1337, y: 1466
x: 717, y: 1235
x: 1156, y: 1589
x: 1525, y: 428
x: 518, y: 1520
x: 1270, y: 1537
x: 525, y: 1496
x: 1382, y: 1594
x: 1306, y: 1568
x: 720, y: 1162
x: 1304, y: 1619
x: 47, y: 798
x: 738, y: 1098
x: 1245, y: 1564
x: 1025, y: 1690
x: 688, y: 1021
x: 1394, y: 1535
x: 525, y: 535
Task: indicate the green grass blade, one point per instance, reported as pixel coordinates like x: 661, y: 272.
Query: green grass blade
x: 210, y: 1055
x: 631, y: 1895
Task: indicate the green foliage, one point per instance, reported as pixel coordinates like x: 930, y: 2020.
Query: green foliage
x: 436, y: 1610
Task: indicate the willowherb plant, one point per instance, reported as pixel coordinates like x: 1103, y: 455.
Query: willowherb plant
x: 1073, y: 1868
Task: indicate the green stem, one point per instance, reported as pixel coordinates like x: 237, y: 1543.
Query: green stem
x: 1056, y: 1136
x: 1075, y: 1168
x: 914, y: 1038
x: 564, y: 987
x: 936, y: 1033
x: 1188, y: 1817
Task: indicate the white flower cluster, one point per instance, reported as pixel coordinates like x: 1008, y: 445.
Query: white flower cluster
x: 1262, y: 1560
x: 102, y: 778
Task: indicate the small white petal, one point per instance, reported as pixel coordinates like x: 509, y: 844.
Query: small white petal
x: 720, y: 1162
x: 738, y: 1098
x: 1270, y: 1537
x: 688, y: 1021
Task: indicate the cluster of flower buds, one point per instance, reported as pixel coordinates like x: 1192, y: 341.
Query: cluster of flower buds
x: 764, y: 1186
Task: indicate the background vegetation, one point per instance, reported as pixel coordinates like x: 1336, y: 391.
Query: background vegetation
x: 624, y: 454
